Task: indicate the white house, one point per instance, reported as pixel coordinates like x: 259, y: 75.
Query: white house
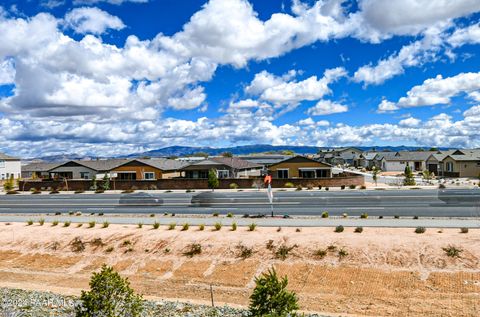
x: 9, y: 165
x: 397, y: 161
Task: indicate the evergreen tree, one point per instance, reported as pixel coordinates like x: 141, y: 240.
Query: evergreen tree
x: 409, y: 180
x: 212, y: 179
x: 106, y: 183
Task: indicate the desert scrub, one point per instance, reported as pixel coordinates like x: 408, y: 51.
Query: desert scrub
x: 54, y: 223
x: 299, y: 187
x: 321, y: 253
x: 364, y: 216
x: 105, y: 224
x: 109, y: 250
x: 185, y: 227
x: 234, y: 226
x: 67, y: 224
x: 77, y: 245
x: 283, y: 251
x: 215, y: 214
x: 331, y: 248
x: 156, y: 225
x: 420, y: 230
x: 172, y: 226
x: 79, y: 224
x: 229, y: 215
x: 452, y: 251
x: 244, y: 252
x: 339, y: 229
x: 201, y: 227
x: 298, y: 230
x: 358, y: 230
x: 464, y: 230
x: 193, y: 249
x: 126, y: 243
x: 342, y: 253
x: 91, y: 224
x: 217, y: 226
x: 252, y: 227
x: 288, y: 185
x: 352, y: 186
x: 97, y: 242
x: 41, y: 221
x: 233, y: 186
x: 270, y: 246
x: 29, y: 222
x: 325, y: 214
x: 139, y: 225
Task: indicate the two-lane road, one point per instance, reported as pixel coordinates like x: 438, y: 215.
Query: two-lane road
x: 422, y: 203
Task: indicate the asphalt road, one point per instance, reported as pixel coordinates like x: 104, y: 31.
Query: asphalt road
x: 422, y: 203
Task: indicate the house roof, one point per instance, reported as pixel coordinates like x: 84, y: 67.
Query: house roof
x: 5, y: 157
x: 266, y: 159
x: 409, y: 156
x: 39, y: 167
x: 302, y: 158
x: 164, y: 164
x: 369, y: 155
x: 233, y: 162
x: 103, y: 165
x: 466, y: 157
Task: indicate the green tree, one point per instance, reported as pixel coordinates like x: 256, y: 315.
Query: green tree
x: 9, y: 183
x: 212, y: 179
x: 227, y: 154
x: 203, y: 154
x: 110, y: 296
x: 94, y: 183
x: 408, y: 180
x: 271, y: 297
x: 106, y: 182
x: 433, y: 149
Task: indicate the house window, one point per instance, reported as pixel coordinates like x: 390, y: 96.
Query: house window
x: 322, y: 173
x: 84, y: 175
x: 2, y: 163
x: 282, y: 173
x: 307, y: 174
x: 223, y: 173
x: 149, y: 175
x: 449, y: 166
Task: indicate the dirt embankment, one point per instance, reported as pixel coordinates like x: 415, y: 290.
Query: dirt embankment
x: 380, y: 272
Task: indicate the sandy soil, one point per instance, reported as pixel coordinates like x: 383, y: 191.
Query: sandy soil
x: 387, y: 272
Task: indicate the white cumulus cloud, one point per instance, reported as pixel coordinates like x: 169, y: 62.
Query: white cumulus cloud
x: 92, y: 20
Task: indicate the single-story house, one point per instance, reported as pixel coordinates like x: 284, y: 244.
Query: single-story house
x: 9, y: 166
x: 300, y: 167
x: 38, y: 170
x: 341, y: 156
x: 226, y: 167
x: 397, y: 161
x: 457, y: 163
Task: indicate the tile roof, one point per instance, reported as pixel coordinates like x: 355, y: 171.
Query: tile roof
x: 235, y: 162
x: 39, y: 167
x: 164, y: 164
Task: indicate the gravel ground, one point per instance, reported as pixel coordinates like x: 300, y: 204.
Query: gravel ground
x: 20, y: 303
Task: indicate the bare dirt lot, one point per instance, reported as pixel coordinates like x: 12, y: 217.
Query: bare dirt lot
x: 379, y: 272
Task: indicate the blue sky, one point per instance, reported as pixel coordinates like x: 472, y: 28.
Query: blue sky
x: 107, y: 77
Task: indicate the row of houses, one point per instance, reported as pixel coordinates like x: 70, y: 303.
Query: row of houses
x: 450, y: 163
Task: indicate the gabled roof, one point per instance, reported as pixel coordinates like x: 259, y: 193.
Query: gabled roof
x: 410, y: 156
x: 233, y: 162
x: 301, y: 158
x: 103, y: 165
x: 163, y: 163
x: 39, y: 167
x: 5, y: 157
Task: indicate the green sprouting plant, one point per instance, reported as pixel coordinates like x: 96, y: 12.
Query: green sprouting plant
x: 172, y: 226
x: 156, y: 225
x: 364, y: 215
x: 193, y: 249
x: 252, y: 226
x: 229, y: 215
x: 215, y: 214
x: 325, y: 214
x: 339, y: 229
x: 234, y: 226
x: 201, y: 227
x: 342, y: 253
x: 217, y: 226
x: 67, y: 224
x: 283, y: 251
x: 41, y: 221
x: 358, y: 229
x: 54, y: 223
x: 321, y: 253
x: 91, y: 224
x: 452, y: 251
x: 29, y: 222
x: 139, y: 225
x: 420, y: 230
x: 105, y: 224
x: 244, y: 252
x: 185, y: 227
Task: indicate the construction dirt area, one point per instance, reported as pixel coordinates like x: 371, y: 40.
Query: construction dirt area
x: 379, y: 272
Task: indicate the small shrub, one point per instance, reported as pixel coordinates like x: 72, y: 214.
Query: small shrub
x: 441, y: 186
x: 77, y: 245
x: 270, y: 246
x: 201, y: 227
x: 58, y: 213
x: 128, y: 250
x: 234, y: 226
x: 345, y: 215
x: 229, y: 215
x: 298, y: 230
x: 171, y: 226
x: 283, y: 251
x: 41, y: 222
x: 233, y: 186
x: 156, y: 225
x: 420, y: 230
x: 79, y: 224
x: 320, y: 187
x: 352, y: 186
x: 325, y: 214
x: 380, y: 217
x: 299, y: 187
x: 54, y: 223
x: 452, y: 251
x: 363, y: 187
x: 109, y: 249
x: 252, y: 226
x: 91, y: 224
x: 288, y: 185
x: 415, y: 217
x: 167, y: 250
x: 67, y: 224
x: 215, y: 214
x: 364, y: 215
x: 244, y: 252
x: 358, y: 230
x: 217, y: 226
x: 97, y: 242
x: 339, y: 228
x: 105, y: 224
x: 139, y: 225
x: 279, y: 229
x: 342, y: 253
x: 320, y: 253
x: 70, y: 213
x: 100, y: 213
x: 126, y: 243
x: 193, y: 249
x: 152, y: 215
x: 185, y: 227
x: 29, y: 222
x: 396, y: 217
x: 331, y: 248
x: 342, y: 187
x: 464, y: 230
x: 327, y: 189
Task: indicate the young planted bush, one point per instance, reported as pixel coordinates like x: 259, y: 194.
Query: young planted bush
x: 452, y: 251
x: 288, y: 185
x: 217, y: 226
x: 364, y: 215
x: 234, y: 226
x: 339, y: 229
x: 79, y: 224
x: 358, y: 230
x: 420, y: 230
x: 109, y: 295
x: 67, y: 224
x: 252, y: 226
x: 342, y: 187
x: 464, y: 230
x: 299, y: 187
x: 41, y: 221
x: 29, y: 222
x: 352, y: 186
x: 77, y: 245
x: 139, y: 225
x: 193, y: 249
x: 233, y: 186
x: 54, y: 223
x: 321, y: 253
x: 229, y: 215
x: 91, y: 224
x: 283, y: 251
x: 215, y: 214
x: 325, y: 214
x: 185, y: 227
x: 244, y: 252
x: 201, y: 227
x: 105, y: 224
x: 171, y: 226
x: 156, y: 225
x: 271, y: 297
x: 342, y: 253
